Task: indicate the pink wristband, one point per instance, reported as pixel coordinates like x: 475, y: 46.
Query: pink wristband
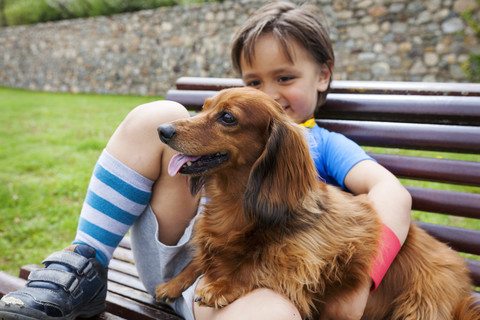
x: 389, y: 248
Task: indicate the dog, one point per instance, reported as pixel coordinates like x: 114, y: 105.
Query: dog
x: 271, y: 223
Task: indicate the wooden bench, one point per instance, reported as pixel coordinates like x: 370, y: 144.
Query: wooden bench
x: 439, y: 117
x: 432, y: 117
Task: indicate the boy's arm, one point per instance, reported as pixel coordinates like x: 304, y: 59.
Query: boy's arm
x: 393, y: 203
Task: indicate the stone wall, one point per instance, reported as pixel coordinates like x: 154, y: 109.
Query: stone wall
x: 144, y: 52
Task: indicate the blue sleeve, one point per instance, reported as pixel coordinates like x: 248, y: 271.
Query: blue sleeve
x: 334, y: 155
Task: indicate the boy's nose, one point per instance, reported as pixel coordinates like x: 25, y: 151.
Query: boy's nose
x: 272, y: 92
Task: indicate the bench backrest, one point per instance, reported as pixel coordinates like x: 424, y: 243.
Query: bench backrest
x: 440, y: 118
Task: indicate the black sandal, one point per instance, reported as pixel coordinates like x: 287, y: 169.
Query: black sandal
x: 72, y: 284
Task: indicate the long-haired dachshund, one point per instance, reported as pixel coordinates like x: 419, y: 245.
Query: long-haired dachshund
x: 270, y: 222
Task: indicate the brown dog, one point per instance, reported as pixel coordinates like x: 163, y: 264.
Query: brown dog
x: 271, y: 224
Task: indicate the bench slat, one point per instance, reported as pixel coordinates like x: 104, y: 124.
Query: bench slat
x: 192, y: 100
x: 9, y: 283
x: 401, y: 104
x: 463, y: 240
x: 460, y: 204
x: 129, y: 309
x: 124, y: 267
x: 406, y: 88
x: 431, y: 169
x: 369, y: 87
x: 402, y: 108
x: 396, y: 108
x: 409, y: 136
x: 123, y: 254
x: 474, y: 267
x: 126, y: 280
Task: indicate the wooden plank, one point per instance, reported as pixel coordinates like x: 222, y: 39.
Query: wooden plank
x: 123, y: 254
x: 410, y: 136
x: 400, y: 104
x: 9, y: 283
x: 130, y: 309
x: 340, y: 86
x: 192, y: 100
x: 460, y: 204
x: 125, y: 280
x: 406, y: 88
x: 474, y: 266
x: 460, y: 239
x: 125, y: 243
x: 209, y: 84
x: 395, y: 108
x: 431, y: 169
x: 124, y: 267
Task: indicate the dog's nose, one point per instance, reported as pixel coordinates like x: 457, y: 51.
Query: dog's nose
x: 166, y: 132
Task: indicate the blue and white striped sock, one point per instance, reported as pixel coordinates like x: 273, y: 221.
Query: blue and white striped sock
x: 116, y: 196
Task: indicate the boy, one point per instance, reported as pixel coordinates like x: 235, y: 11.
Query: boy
x: 282, y: 50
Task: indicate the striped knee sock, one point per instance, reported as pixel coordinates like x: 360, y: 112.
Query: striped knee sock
x: 116, y: 196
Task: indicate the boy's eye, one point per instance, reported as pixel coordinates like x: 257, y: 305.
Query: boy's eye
x: 253, y: 83
x: 285, y: 78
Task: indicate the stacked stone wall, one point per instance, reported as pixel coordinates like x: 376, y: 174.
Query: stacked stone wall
x: 144, y: 52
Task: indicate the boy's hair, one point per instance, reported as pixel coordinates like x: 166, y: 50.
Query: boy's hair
x: 286, y: 22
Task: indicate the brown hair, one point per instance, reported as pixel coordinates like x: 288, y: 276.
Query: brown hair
x: 285, y: 22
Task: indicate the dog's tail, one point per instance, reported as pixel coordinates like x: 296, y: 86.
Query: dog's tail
x: 468, y: 309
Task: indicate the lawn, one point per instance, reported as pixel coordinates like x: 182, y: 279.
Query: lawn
x: 49, y: 144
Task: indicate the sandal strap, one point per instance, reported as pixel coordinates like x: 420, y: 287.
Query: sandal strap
x: 77, y: 262
x: 64, y: 279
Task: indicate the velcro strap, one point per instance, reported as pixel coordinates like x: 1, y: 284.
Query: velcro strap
x: 73, y: 260
x: 64, y: 279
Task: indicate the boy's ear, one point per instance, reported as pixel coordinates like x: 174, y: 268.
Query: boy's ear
x: 324, y: 75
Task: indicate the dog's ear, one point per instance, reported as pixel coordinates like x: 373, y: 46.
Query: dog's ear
x: 280, y: 178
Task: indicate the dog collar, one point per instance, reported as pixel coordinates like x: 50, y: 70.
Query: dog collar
x: 310, y: 123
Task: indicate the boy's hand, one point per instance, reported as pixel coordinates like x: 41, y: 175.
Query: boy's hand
x: 350, y: 306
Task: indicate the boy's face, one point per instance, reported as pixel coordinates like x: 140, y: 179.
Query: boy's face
x: 295, y: 85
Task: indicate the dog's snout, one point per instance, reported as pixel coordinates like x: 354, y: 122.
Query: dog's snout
x: 166, y: 132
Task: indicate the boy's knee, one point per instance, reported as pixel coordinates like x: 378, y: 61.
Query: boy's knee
x: 261, y: 304
x: 271, y: 305
x: 147, y: 117
x: 161, y: 111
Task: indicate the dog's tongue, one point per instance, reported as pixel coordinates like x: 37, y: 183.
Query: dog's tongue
x: 178, y: 161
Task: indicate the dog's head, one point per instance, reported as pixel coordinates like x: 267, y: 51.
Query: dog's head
x: 244, y: 136
x: 229, y: 133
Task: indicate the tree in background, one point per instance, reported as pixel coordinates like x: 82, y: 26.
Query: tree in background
x: 18, y: 12
x: 3, y: 18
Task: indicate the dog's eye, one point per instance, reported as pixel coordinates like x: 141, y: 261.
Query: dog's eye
x: 227, y: 119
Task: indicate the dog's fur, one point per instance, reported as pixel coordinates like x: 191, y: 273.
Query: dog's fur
x: 270, y: 223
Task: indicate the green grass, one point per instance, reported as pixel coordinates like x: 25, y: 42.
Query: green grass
x: 49, y: 144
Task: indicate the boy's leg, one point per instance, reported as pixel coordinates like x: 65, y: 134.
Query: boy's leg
x: 74, y: 282
x: 262, y: 304
x: 122, y: 182
x: 171, y: 200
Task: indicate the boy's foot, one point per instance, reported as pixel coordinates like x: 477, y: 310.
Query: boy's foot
x: 72, y: 284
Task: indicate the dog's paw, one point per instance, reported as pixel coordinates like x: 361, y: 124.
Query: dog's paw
x: 167, y: 292
x: 216, y: 295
